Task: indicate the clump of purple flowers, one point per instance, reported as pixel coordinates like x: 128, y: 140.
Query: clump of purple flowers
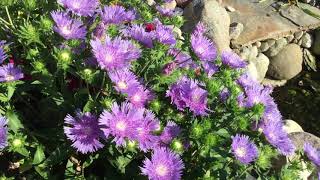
x: 164, y: 34
x: 80, y: 7
x: 312, y: 153
x: 10, y: 73
x: 188, y: 93
x: 3, y: 132
x: 243, y: 149
x: 67, y: 27
x: 115, y: 14
x: 114, y: 53
x: 164, y: 164
x: 232, y: 60
x: 84, y: 131
x: 171, y: 131
x: 138, y: 33
x: 125, y: 81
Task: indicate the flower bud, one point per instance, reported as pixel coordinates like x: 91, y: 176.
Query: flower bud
x: 155, y: 106
x: 46, y: 24
x: 177, y: 146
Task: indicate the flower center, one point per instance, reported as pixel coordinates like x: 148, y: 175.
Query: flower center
x: 195, y: 97
x: 122, y: 85
x: 241, y: 152
x: 161, y: 170
x: 200, y: 50
x: 65, y: 30
x: 121, y: 126
x: 76, y: 5
x: 9, y: 77
x: 108, y: 58
x: 136, y: 98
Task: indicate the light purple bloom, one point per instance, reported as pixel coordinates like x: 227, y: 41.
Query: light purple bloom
x: 232, y: 60
x: 312, y: 153
x: 67, y: 27
x: 145, y: 131
x: 224, y: 94
x: 10, y: 73
x: 164, y: 11
x: 140, y: 97
x: 202, y: 46
x: 114, y: 53
x: 125, y: 81
x: 182, y: 59
x: 209, y: 68
x: 256, y: 95
x: 164, y: 34
x: 99, y: 31
x: 244, y: 149
x: 80, y: 7
x: 164, y: 165
x: 200, y: 29
x: 171, y: 131
x: 121, y: 122
x: 246, y: 81
x: 138, y: 32
x: 84, y: 131
x: 115, y: 14
x: 3, y: 133
x: 169, y: 68
x: 3, y: 54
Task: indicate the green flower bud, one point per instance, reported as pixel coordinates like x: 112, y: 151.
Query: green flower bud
x: 242, y: 123
x: 46, y: 23
x: 113, y: 30
x: 211, y: 139
x: 64, y: 58
x: 177, y: 146
x: 39, y: 66
x: 132, y: 145
x: 266, y: 153
x: 87, y: 74
x: 155, y: 106
x: 207, y: 124
x: 197, y: 131
x: 107, y: 103
x: 30, y: 5
x: 32, y: 53
x: 7, y: 2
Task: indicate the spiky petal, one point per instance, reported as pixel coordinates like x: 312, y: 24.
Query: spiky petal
x: 10, y: 73
x: 115, y: 14
x: 80, y: 7
x: 244, y: 149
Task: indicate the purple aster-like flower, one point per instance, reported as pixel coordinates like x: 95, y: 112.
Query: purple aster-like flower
x: 139, y: 33
x: 3, y: 133
x: 125, y: 81
x: 140, y: 97
x: 121, y: 122
x: 3, y: 54
x: 209, y: 68
x: 224, y: 94
x: 275, y: 134
x: 114, y: 53
x: 246, y: 81
x: 200, y: 29
x: 165, y: 11
x: 67, y: 27
x: 145, y: 131
x: 164, y: 34
x: 164, y: 165
x: 115, y: 14
x: 202, y: 46
x: 169, y: 68
x: 244, y: 149
x: 232, y: 60
x: 80, y: 7
x: 10, y: 73
x: 312, y: 153
x: 171, y: 131
x: 84, y: 131
x: 256, y: 95
x: 99, y: 31
x: 182, y: 59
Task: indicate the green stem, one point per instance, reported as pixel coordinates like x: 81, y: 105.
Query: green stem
x: 9, y: 17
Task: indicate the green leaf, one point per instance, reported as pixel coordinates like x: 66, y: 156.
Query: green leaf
x: 23, y: 151
x: 223, y: 133
x: 3, y: 98
x: 13, y: 121
x: 58, y: 155
x: 70, y: 172
x: 39, y: 156
x: 11, y: 90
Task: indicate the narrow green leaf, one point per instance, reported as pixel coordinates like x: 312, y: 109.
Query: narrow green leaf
x: 39, y: 156
x: 11, y: 90
x: 58, y: 155
x: 13, y: 121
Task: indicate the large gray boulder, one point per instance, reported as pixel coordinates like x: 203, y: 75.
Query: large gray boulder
x: 316, y: 44
x: 287, y: 63
x: 214, y: 16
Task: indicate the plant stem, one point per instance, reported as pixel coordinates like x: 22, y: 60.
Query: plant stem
x: 9, y: 17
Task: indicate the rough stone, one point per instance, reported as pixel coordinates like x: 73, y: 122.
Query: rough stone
x: 298, y: 35
x: 244, y: 53
x: 291, y: 126
x: 178, y: 11
x: 306, y: 40
x: 151, y: 2
x: 258, y: 44
x: 170, y: 5
x: 271, y: 42
x: 264, y: 47
x: 261, y: 63
x: 183, y: 3
x: 253, y: 53
x: 300, y: 138
x: 278, y: 46
x: 289, y: 38
x: 235, y: 30
x: 287, y: 63
x: 230, y: 9
x: 214, y: 16
x: 273, y: 83
x: 316, y: 44
x: 252, y: 71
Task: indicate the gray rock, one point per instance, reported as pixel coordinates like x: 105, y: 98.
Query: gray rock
x: 230, y: 9
x: 273, y: 83
x: 271, y: 42
x: 316, y: 44
x: 306, y: 40
x: 235, y: 30
x: 253, y: 53
x: 170, y: 5
x: 178, y: 11
x: 262, y: 63
x: 290, y: 126
x: 300, y: 138
x: 264, y: 46
x: 306, y: 1
x: 278, y: 46
x: 298, y: 35
x: 290, y: 38
x: 299, y: 42
x: 287, y: 63
x: 214, y: 16
x: 244, y: 53
x: 251, y: 69
x: 258, y: 44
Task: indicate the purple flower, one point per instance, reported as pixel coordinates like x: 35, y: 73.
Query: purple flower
x: 182, y: 59
x: 171, y: 131
x: 244, y: 149
x: 115, y: 14
x: 210, y: 68
x: 232, y: 60
x: 241, y: 99
x: 277, y: 137
x: 145, y: 131
x: 3, y: 54
x: 164, y: 165
x: 246, y: 81
x: 188, y: 93
x: 312, y: 153
x: 84, y: 131
x: 10, y: 73
x: 121, y: 122
x: 125, y: 81
x: 164, y: 34
x: 169, y: 68
x: 3, y: 132
x: 138, y: 32
x: 164, y: 11
x: 256, y: 95
x: 67, y: 27
x: 140, y: 97
x: 99, y: 31
x: 114, y: 53
x: 80, y: 7
x: 200, y: 29
x: 202, y: 46
x: 224, y: 94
